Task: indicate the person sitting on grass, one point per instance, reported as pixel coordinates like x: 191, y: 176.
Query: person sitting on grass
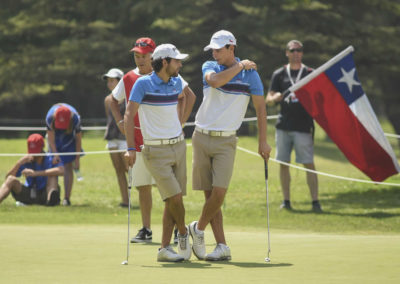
x: 41, y: 185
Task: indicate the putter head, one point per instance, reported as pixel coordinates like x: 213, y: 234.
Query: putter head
x: 267, y: 259
x: 125, y: 262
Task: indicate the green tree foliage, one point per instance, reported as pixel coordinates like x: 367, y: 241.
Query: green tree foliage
x: 53, y: 51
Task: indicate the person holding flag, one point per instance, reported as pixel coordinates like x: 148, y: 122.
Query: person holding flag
x: 295, y: 127
x: 334, y: 97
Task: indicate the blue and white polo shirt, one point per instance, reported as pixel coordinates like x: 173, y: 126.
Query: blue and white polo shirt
x: 224, y: 108
x: 158, y: 105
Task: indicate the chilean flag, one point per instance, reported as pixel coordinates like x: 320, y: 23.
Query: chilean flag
x: 333, y: 96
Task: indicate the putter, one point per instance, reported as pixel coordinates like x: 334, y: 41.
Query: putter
x: 267, y: 259
x: 125, y: 262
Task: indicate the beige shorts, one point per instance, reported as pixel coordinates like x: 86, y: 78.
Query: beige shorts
x: 167, y: 164
x: 140, y: 174
x: 213, y: 158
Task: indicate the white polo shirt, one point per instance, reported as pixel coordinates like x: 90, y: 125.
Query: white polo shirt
x: 158, y: 106
x: 224, y: 108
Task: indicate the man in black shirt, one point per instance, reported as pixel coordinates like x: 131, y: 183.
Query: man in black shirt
x: 295, y: 127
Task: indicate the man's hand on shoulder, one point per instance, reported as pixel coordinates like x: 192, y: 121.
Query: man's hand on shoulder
x: 248, y: 64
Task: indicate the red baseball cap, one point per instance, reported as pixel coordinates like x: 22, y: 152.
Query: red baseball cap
x: 35, y: 143
x: 144, y: 45
x: 62, y: 117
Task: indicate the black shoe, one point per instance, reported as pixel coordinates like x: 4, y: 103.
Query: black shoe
x: 316, y: 207
x: 54, y: 198
x: 176, y: 236
x: 143, y: 236
x: 66, y: 202
x: 286, y: 205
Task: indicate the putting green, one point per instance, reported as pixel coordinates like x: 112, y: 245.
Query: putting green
x: 93, y: 254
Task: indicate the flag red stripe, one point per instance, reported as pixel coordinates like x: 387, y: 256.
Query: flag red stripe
x: 323, y: 102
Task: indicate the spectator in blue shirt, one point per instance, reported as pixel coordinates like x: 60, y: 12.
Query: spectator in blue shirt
x: 41, y: 185
x: 64, y: 135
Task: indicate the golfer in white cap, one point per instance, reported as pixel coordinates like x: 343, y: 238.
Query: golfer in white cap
x: 163, y: 107
x: 229, y: 83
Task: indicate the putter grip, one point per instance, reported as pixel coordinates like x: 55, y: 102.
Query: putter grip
x: 266, y: 170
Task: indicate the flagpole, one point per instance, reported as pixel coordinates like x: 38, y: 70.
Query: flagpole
x: 321, y: 69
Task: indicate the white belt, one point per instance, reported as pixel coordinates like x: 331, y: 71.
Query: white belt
x: 215, y: 132
x: 164, y: 141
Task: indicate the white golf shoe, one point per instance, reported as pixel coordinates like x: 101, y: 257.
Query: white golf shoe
x: 167, y: 254
x: 221, y: 252
x: 199, y: 247
x: 184, y: 248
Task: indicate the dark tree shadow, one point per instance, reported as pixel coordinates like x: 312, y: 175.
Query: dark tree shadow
x: 377, y: 199
x: 329, y: 151
x: 254, y: 264
x: 185, y: 264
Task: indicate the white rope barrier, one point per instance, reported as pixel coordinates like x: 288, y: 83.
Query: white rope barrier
x: 88, y: 128
x: 319, y: 173
x: 63, y: 154
x: 189, y: 144
x: 40, y: 128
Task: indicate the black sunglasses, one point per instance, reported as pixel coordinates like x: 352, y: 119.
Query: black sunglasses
x: 142, y: 44
x: 295, y: 49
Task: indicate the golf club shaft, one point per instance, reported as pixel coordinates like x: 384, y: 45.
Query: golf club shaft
x: 266, y: 186
x: 129, y: 208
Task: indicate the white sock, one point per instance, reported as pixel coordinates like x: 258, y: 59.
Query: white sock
x: 198, y: 231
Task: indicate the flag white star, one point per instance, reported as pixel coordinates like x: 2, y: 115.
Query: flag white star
x: 348, y: 78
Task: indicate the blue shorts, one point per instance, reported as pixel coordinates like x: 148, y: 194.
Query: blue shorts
x: 68, y: 158
x: 302, y: 143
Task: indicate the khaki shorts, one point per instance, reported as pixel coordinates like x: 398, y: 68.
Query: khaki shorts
x: 167, y: 164
x: 140, y: 174
x: 213, y: 159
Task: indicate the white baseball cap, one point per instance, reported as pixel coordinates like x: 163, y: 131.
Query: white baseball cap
x: 113, y: 73
x: 220, y: 39
x: 168, y: 50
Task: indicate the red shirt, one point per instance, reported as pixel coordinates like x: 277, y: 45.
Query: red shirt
x: 130, y: 79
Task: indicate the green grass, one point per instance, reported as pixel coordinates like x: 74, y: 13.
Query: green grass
x: 93, y: 253
x: 356, y: 240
